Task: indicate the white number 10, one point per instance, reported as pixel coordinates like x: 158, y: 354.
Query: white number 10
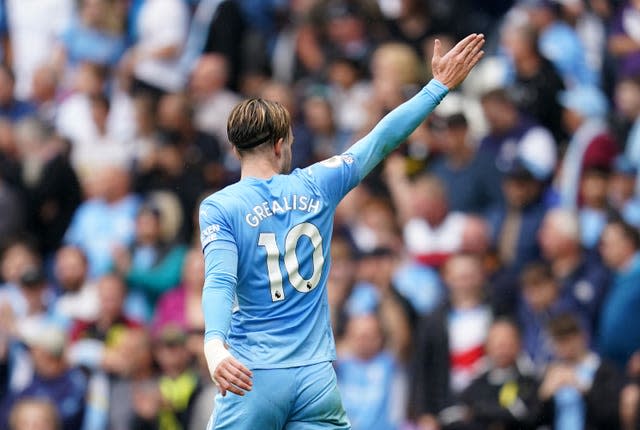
x: 268, y: 240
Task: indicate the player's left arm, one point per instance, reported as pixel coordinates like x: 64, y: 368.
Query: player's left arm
x: 448, y: 72
x: 221, y: 266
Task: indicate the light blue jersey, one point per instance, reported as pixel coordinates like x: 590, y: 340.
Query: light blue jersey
x: 266, y: 246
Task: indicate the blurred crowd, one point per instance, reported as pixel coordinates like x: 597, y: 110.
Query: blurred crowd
x: 486, y: 276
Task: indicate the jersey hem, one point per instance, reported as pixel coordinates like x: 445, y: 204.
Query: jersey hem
x: 285, y: 365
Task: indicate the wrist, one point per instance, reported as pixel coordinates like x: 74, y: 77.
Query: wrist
x: 215, y: 352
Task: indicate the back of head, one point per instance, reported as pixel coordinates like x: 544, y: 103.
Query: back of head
x: 256, y: 121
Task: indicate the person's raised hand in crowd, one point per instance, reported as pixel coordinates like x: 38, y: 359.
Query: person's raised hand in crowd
x: 454, y: 66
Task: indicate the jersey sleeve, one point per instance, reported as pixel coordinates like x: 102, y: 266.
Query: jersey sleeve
x: 337, y: 175
x: 395, y: 127
x: 221, y: 268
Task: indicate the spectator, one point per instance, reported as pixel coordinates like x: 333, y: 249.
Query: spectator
x: 468, y: 175
x: 431, y: 232
x: 505, y: 395
x: 595, y: 209
x: 537, y: 84
x: 105, y: 221
x: 49, y: 182
x: 414, y: 23
x: 170, y: 403
x: 181, y: 306
x: 540, y: 301
x: 624, y: 42
x: 33, y: 30
x: 583, y: 279
x: 370, y: 377
x: 11, y: 108
x: 328, y: 138
x: 374, y: 291
x: 53, y: 379
x: 349, y: 94
x: 45, y: 94
x: 579, y: 390
x: 585, y: 109
x: 512, y: 135
x: 621, y: 194
x: 561, y: 44
x: 34, y: 414
x: 89, y: 38
x: 618, y: 338
x: 153, y: 62
x: 514, y: 224
x: 450, y: 341
x: 213, y: 101
x: 627, y: 97
x: 78, y: 298
x: 151, y: 265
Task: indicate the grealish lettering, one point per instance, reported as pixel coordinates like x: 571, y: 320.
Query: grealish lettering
x: 283, y: 205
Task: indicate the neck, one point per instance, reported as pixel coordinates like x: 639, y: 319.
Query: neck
x: 564, y: 265
x: 257, y: 167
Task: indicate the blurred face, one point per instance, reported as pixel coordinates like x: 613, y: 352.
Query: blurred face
x: 148, y: 227
x: 515, y: 43
x: 71, y: 268
x: 541, y: 295
x: 429, y: 203
x: 503, y: 345
x: 135, y: 345
x: 46, y: 364
x: 209, y: 76
x: 318, y: 115
x: 364, y: 336
x: 570, y: 348
x: 500, y: 116
x: 93, y: 12
x: 173, y: 358
x: 17, y: 259
x: 571, y: 120
x: 464, y: 277
x: 519, y: 192
x: 593, y: 189
x: 6, y: 88
x: 552, y: 241
x: 627, y: 97
x: 342, y: 74
x: 34, y: 416
x: 193, y: 270
x: 455, y: 139
x: 620, y: 189
x: 614, y: 247
x: 111, y: 292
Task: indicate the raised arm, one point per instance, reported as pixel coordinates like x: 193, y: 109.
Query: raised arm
x: 448, y: 72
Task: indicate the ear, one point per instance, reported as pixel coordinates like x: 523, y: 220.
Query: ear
x: 277, y: 147
x: 235, y: 151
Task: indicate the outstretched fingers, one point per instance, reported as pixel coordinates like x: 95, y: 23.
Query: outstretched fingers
x: 463, y: 44
x: 473, y: 47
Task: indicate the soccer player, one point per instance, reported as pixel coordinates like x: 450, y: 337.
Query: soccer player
x: 268, y: 338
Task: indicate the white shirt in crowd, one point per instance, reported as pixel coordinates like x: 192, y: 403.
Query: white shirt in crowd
x: 34, y: 27
x: 154, y: 33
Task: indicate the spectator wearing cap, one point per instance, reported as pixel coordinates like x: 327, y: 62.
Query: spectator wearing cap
x: 621, y: 190
x: 468, y: 176
x: 512, y: 135
x: 619, y: 333
x: 624, y: 42
x: 53, y: 379
x: 590, y: 145
x: 560, y: 43
x: 536, y: 82
x: 584, y: 280
x: 151, y: 265
x: 449, y: 346
x: 580, y: 389
x: 515, y: 222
